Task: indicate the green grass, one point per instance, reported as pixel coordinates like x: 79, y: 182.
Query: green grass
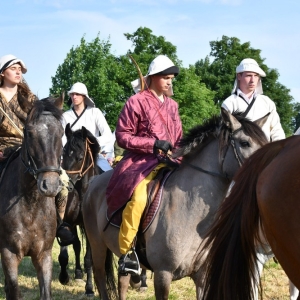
x: 274, y: 281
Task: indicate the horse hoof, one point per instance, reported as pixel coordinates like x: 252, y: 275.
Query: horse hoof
x: 89, y: 294
x: 143, y: 289
x: 64, y: 280
x: 134, y: 285
x: 78, y: 274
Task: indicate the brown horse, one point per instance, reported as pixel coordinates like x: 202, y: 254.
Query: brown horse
x: 211, y: 155
x: 79, y: 161
x: 263, y: 206
x: 27, y: 205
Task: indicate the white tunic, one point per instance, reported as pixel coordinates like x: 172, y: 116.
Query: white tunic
x: 262, y: 106
x: 93, y: 120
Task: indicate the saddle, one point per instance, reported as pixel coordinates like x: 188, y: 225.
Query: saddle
x: 154, y: 192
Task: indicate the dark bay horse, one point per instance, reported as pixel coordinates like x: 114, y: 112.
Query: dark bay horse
x: 211, y: 155
x: 79, y: 161
x: 27, y: 204
x: 262, y: 207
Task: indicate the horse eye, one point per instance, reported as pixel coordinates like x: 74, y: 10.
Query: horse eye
x: 245, y: 144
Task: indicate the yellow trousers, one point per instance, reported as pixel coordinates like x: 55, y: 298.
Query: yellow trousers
x: 133, y: 211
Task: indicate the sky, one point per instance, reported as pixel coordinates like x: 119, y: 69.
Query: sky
x: 42, y: 32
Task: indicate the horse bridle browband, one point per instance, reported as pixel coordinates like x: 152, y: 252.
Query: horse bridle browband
x: 87, y: 151
x: 31, y: 165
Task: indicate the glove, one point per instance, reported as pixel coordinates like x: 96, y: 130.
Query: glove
x: 162, y: 145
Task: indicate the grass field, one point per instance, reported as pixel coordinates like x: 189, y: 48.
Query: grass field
x: 275, y: 283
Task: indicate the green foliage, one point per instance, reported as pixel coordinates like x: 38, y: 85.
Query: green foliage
x: 199, y: 89
x: 94, y: 65
x: 219, y: 76
x: 195, y: 100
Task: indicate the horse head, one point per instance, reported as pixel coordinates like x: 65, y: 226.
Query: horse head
x: 243, y: 135
x: 235, y: 139
x: 42, y: 144
x: 79, y: 153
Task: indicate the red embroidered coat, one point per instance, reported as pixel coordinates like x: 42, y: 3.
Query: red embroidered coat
x: 143, y: 120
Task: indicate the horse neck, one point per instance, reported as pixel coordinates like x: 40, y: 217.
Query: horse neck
x: 208, y: 157
x: 208, y: 160
x: 88, y: 175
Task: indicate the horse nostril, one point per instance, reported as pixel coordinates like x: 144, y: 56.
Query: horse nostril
x: 44, y: 185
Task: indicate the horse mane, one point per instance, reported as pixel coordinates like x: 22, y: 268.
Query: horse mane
x: 228, y: 225
x: 78, y: 138
x: 197, y: 137
x: 39, y: 106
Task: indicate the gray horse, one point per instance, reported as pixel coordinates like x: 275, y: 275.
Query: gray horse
x: 212, y: 153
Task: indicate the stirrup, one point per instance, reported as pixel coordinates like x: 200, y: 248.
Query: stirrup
x: 124, y: 271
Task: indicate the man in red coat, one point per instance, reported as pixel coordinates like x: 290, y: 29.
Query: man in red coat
x: 148, y: 123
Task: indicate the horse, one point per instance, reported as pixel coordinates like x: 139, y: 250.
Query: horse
x: 79, y: 156
x: 211, y: 154
x: 28, y: 189
x: 261, y: 209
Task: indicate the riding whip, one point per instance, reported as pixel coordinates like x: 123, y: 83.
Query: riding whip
x: 139, y: 71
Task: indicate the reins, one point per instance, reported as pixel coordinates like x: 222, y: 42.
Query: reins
x: 224, y: 174
x: 87, y: 151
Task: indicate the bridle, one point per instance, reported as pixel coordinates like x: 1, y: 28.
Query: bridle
x: 30, y: 164
x: 236, y: 154
x: 87, y: 151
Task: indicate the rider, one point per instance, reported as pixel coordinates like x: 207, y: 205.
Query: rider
x: 16, y: 101
x: 149, y: 123
x: 247, y: 97
x: 84, y: 113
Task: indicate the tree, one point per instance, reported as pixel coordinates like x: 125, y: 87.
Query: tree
x: 195, y: 100
x: 94, y: 65
x: 108, y: 78
x: 219, y: 76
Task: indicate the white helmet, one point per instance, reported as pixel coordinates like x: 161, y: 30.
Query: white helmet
x: 80, y: 88
x: 8, y: 60
x: 249, y: 65
x: 160, y: 65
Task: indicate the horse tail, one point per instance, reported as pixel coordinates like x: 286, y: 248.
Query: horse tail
x: 110, y: 276
x: 229, y: 247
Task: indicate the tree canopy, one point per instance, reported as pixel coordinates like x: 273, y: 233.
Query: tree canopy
x: 219, y: 76
x: 199, y: 89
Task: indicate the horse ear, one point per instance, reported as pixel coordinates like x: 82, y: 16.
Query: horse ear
x: 229, y: 120
x: 260, y: 122
x: 59, y: 102
x: 84, y: 132
x: 68, y: 131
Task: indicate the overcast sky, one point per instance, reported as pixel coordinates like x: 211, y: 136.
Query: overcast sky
x: 41, y: 32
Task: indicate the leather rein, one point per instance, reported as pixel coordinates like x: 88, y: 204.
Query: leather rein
x: 236, y: 154
x: 87, y: 152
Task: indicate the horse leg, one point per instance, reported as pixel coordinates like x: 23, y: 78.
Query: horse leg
x: 103, y: 271
x: 139, y: 281
x: 263, y: 254
x: 162, y: 282
x: 10, y: 265
x: 43, y: 266
x: 77, y: 250
x: 144, y: 285
x: 123, y: 283
x: 63, y: 259
x: 88, y: 267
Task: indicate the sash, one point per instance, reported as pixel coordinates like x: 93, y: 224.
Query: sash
x: 78, y: 117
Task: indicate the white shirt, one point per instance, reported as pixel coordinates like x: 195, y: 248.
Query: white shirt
x: 93, y: 120
x: 261, y: 107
